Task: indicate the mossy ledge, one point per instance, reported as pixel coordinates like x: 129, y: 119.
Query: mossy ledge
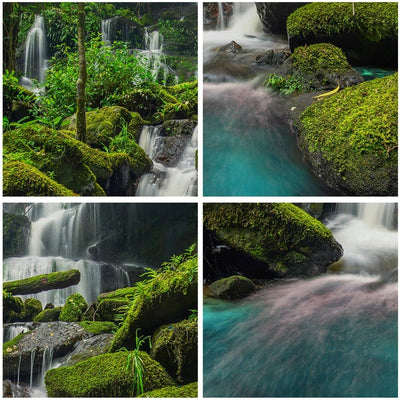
x: 283, y: 237
x: 369, y: 37
x: 186, y: 391
x: 350, y: 139
x: 104, y: 376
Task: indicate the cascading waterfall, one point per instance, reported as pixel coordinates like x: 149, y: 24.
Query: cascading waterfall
x: 106, y: 31
x: 180, y: 180
x: 35, y: 52
x: 331, y: 336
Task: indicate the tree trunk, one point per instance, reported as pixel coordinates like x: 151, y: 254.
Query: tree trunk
x: 81, y: 83
x: 41, y: 283
x: 11, y: 15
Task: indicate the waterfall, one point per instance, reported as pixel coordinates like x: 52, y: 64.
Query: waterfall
x: 180, y: 180
x: 106, y: 31
x: 369, y: 239
x: 10, y: 331
x: 36, y: 51
x: 47, y: 361
x: 221, y: 19
x: 155, y: 58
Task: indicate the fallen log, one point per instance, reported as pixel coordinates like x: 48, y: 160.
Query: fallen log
x: 41, y: 283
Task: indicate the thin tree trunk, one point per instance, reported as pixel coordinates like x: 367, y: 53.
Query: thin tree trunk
x: 81, y: 83
x: 11, y: 15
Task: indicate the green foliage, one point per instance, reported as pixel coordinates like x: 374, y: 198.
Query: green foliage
x: 112, y: 70
x: 180, y: 35
x: 355, y: 124
x: 321, y: 56
x: 375, y: 21
x: 98, y: 327
x: 73, y: 308
x: 135, y: 363
x: 186, y: 391
x: 284, y: 84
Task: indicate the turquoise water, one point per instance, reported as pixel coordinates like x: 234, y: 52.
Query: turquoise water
x: 333, y: 336
x: 248, y: 148
x: 371, y: 73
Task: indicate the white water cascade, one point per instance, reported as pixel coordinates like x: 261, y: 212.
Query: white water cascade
x: 180, y: 180
x: 368, y: 236
x: 35, y: 53
x: 106, y: 31
x: 59, y: 242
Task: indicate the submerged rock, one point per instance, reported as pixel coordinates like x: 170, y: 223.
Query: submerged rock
x: 231, y: 47
x: 273, y: 57
x: 234, y: 287
x: 10, y: 389
x: 281, y: 239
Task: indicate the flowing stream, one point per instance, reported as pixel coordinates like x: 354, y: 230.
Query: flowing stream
x: 178, y: 180
x: 249, y: 148
x: 331, y: 336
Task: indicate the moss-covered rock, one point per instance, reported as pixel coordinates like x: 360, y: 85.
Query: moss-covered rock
x: 350, y: 139
x: 165, y: 298
x: 187, y: 93
x: 186, y: 391
x: 174, y: 346
x: 98, y: 327
x: 102, y: 125
x: 56, y: 155
x: 32, y: 307
x: 106, y: 375
x: 16, y: 231
x: 176, y: 111
x: 109, y: 309
x: 320, y: 66
x: 73, y: 308
x: 48, y: 315
x: 21, y: 179
x: 12, y: 308
x: 285, y: 239
x: 178, y: 127
x: 233, y: 287
x: 368, y: 37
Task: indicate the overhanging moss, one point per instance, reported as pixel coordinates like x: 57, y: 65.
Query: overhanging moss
x: 376, y: 21
x: 11, y: 345
x: 104, y: 376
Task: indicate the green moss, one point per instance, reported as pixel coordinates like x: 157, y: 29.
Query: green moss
x: 109, y: 309
x: 187, y: 391
x: 265, y: 231
x: 174, y: 346
x: 234, y: 286
x: 98, y: 327
x: 136, y: 124
x: 21, y: 179
x: 48, y: 315
x: 11, y: 345
x: 104, y: 376
x: 355, y: 130
x: 73, y: 308
x: 127, y: 293
x: 176, y: 111
x: 321, y: 56
x: 12, y: 307
x: 32, y: 307
x: 374, y: 21
x: 186, y: 93
x: 165, y: 297
x: 138, y: 161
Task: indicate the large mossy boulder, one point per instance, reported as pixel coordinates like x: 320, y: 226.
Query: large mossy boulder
x: 166, y: 298
x: 186, y: 391
x: 21, y: 179
x: 368, y: 36
x: 282, y: 239
x: 105, y: 375
x: 233, y: 287
x: 32, y: 307
x: 16, y: 232
x: 73, y: 308
x: 48, y: 315
x: 12, y: 308
x: 350, y: 139
x: 174, y: 346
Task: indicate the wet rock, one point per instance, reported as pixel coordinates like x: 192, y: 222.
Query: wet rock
x: 171, y: 150
x: 212, y: 14
x: 59, y: 336
x: 178, y: 127
x: 234, y: 287
x: 231, y: 47
x: 87, y: 348
x: 274, y: 57
x: 16, y: 232
x: 10, y: 389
